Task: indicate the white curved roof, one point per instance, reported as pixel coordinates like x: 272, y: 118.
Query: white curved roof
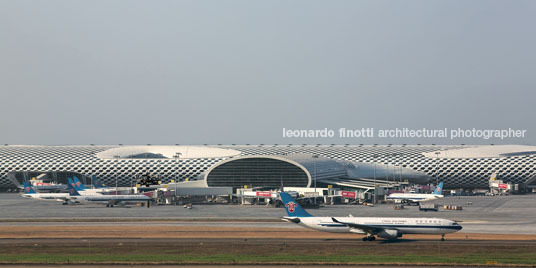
x: 168, y: 152
x: 484, y: 151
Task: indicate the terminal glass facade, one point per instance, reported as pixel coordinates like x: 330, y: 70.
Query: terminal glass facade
x: 257, y: 172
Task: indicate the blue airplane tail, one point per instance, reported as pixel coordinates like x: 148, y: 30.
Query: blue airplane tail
x: 28, y: 189
x: 292, y: 207
x: 96, y: 183
x: 439, y: 188
x: 71, y: 188
x: 71, y: 183
x: 78, y: 185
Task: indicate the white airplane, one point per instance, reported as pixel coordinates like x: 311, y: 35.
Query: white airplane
x: 29, y: 192
x: 110, y: 200
x: 388, y: 228
x: 75, y: 183
x: 415, y: 198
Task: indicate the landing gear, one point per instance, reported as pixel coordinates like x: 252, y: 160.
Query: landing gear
x: 369, y: 238
x: 443, y: 237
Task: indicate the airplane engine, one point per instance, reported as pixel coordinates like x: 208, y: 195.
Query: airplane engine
x: 390, y: 234
x: 356, y: 231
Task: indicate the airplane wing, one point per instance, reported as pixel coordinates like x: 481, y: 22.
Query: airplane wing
x: 364, y: 227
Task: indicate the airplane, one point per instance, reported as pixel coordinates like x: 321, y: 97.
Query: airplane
x: 81, y: 188
x: 384, y: 227
x: 47, y: 187
x: 29, y: 192
x: 110, y: 200
x: 99, y: 188
x: 97, y: 184
x: 416, y: 198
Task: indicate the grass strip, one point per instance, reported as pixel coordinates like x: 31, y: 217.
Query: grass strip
x: 477, y: 259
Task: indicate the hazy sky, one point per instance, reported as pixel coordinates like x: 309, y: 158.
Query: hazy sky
x: 195, y: 72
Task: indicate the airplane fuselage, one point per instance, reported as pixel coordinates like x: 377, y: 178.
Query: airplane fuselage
x: 414, y: 197
x: 110, y: 198
x: 48, y: 196
x: 402, y: 225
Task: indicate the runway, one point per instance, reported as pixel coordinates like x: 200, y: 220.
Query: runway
x: 206, y: 230
x: 480, y: 214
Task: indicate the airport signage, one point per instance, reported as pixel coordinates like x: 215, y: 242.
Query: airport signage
x: 264, y: 194
x: 348, y: 194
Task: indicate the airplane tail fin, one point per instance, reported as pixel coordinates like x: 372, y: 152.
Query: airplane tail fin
x: 292, y: 207
x: 71, y: 188
x: 439, y: 188
x: 71, y: 184
x: 28, y: 189
x: 96, y: 183
x: 78, y: 185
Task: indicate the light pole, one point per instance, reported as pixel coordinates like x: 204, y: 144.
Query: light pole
x: 116, y: 157
x: 395, y: 162
x: 400, y: 162
x: 314, y: 159
x: 176, y: 157
x: 387, y: 171
x: 375, y: 156
x: 437, y: 167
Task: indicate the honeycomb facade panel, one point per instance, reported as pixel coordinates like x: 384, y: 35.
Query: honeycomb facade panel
x: 457, y: 171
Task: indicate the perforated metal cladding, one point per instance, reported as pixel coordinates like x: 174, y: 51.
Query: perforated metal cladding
x: 83, y: 160
x: 455, y: 172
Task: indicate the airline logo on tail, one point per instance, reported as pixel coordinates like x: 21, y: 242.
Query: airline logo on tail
x: 28, y: 188
x: 439, y: 188
x: 291, y: 206
x: 96, y: 182
x: 72, y: 189
x: 71, y: 182
x: 79, y: 185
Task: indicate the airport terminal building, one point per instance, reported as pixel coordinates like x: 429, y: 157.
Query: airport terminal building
x: 460, y: 166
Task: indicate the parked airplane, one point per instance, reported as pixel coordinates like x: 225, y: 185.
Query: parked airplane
x: 97, y: 184
x: 29, y: 192
x: 388, y: 228
x: 82, y: 189
x: 110, y: 200
x: 415, y: 198
x: 47, y: 187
